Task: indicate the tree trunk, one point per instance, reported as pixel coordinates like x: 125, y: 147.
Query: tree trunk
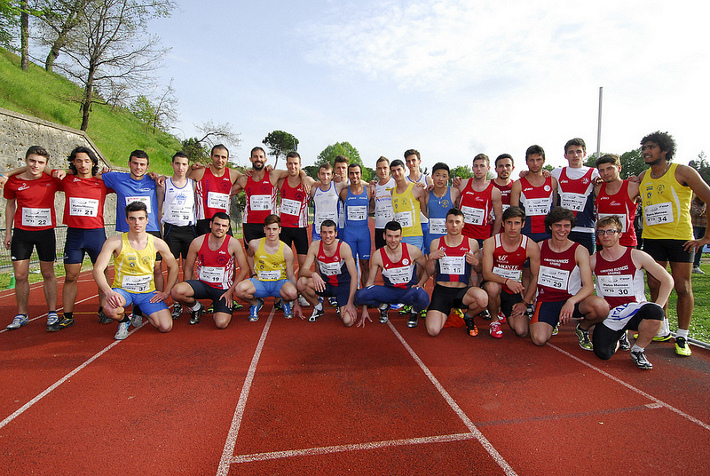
x: 51, y: 57
x: 88, y: 98
x: 24, y: 35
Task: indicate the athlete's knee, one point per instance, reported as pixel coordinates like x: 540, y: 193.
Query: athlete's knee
x: 682, y: 287
x: 652, y: 311
x: 289, y: 293
x: 603, y: 353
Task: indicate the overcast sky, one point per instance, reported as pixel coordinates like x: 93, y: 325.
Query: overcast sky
x: 449, y: 78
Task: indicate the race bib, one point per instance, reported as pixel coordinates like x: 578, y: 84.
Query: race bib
x: 512, y: 274
x: 290, y: 207
x: 260, y: 202
x: 619, y: 285
x: 329, y: 269
x: 452, y: 265
x: 473, y: 216
x: 269, y: 275
x: 144, y: 199
x: 212, y: 274
x: 399, y: 275
x: 404, y: 219
x: 658, y: 214
x: 437, y: 226
x: 537, y: 206
x: 36, y: 217
x: 573, y: 201
x: 136, y: 284
x: 357, y: 213
x: 83, y: 207
x: 553, y: 278
x: 218, y: 200
x: 180, y: 214
x: 621, y: 217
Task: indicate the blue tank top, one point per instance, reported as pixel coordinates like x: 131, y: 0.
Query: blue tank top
x: 356, y: 209
x: 438, y: 207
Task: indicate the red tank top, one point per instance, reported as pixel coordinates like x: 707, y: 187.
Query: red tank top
x: 619, y: 281
x: 476, y: 208
x: 504, y: 193
x: 398, y: 274
x: 452, y: 267
x: 213, y: 194
x: 260, y: 199
x: 619, y: 204
x: 215, y: 268
x: 559, y: 277
x: 84, y: 204
x: 509, y: 264
x: 294, y: 206
x: 332, y: 268
x: 536, y: 201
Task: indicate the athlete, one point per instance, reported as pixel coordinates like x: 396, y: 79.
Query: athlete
x: 479, y: 200
x: 440, y: 200
x: 401, y: 264
x: 564, y: 284
x: 326, y: 199
x: 213, y: 186
x: 176, y: 206
x: 295, y: 193
x: 215, y: 264
x: 618, y: 271
x: 30, y: 206
x: 334, y: 277
x: 413, y: 159
x: 504, y: 167
x: 134, y: 254
x: 618, y: 197
x: 273, y: 268
x: 340, y: 176
x: 575, y: 189
x: 356, y: 200
x: 503, y: 257
x: 408, y: 201
x: 381, y: 198
x: 452, y: 261
x: 666, y: 192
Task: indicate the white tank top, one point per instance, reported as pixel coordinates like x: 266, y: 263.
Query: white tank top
x: 179, y: 203
x: 383, y: 203
x: 325, y: 206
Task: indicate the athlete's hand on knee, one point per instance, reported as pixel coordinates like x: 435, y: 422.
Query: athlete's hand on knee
x: 158, y: 296
x: 114, y: 299
x: 318, y: 283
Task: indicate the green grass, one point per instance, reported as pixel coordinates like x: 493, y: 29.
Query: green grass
x: 50, y: 96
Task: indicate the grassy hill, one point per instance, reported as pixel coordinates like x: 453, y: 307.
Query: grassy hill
x: 51, y: 97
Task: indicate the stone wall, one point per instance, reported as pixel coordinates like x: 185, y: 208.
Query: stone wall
x: 18, y: 132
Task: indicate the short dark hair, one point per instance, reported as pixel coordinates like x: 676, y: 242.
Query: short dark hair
x: 535, y: 150
x: 409, y: 152
x: 455, y: 212
x: 87, y: 151
x: 293, y: 153
x: 339, y: 159
x: 396, y: 163
x: 664, y: 140
x: 383, y: 159
x: 255, y: 149
x: 219, y: 146
x: 482, y: 157
x: 578, y: 141
x: 136, y: 206
x: 440, y: 166
x: 504, y: 156
x: 393, y: 226
x: 221, y: 216
x: 37, y: 150
x: 139, y: 154
x: 608, y: 159
x: 271, y: 219
x: 353, y: 165
x: 326, y: 166
x: 512, y: 212
x: 180, y: 155
x: 328, y: 223
x: 558, y: 214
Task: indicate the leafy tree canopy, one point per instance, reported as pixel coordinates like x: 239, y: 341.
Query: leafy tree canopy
x: 280, y: 143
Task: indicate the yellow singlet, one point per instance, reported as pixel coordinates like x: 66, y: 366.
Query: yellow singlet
x: 133, y: 269
x: 407, y: 211
x: 666, y: 207
x: 269, y: 267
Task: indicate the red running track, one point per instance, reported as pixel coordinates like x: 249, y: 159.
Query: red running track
x: 293, y: 397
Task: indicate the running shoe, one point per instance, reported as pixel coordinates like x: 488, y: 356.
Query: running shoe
x: 422, y: 314
x: 384, y: 313
x: 52, y: 318
x: 583, y: 337
x: 254, y: 310
x: 406, y: 309
x: 396, y: 307
x: 136, y: 318
x: 697, y: 270
x: 495, y: 330
x: 316, y: 314
x: 682, y: 347
x: 662, y: 338
x: 209, y: 310
x: 485, y: 315
x: 624, y: 343
x: 19, y: 321
x: 639, y: 358
x: 122, y: 332
x: 288, y: 309
x: 470, y: 325
x: 458, y: 312
x: 303, y: 301
x: 556, y: 329
x: 177, y: 310
x: 333, y: 301
x: 236, y: 306
x: 61, y: 324
x: 103, y: 318
x: 530, y: 310
x: 501, y: 317
x: 278, y: 304
x: 413, y: 320
x: 195, y: 315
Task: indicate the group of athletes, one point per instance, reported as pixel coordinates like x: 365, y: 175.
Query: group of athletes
x: 516, y: 251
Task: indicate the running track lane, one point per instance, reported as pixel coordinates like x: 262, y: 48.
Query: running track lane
x: 325, y: 399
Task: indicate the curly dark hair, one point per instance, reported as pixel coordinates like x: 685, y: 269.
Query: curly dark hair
x: 664, y: 140
x: 557, y: 214
x: 87, y: 151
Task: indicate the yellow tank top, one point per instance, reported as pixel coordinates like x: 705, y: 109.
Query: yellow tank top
x: 407, y: 211
x: 666, y: 207
x: 269, y: 267
x: 133, y: 269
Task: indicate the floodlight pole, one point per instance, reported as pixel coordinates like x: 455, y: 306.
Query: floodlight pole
x: 599, y: 123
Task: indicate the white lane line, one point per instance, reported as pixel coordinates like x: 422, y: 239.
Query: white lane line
x: 632, y: 388
x: 454, y: 406
x: 49, y: 389
x: 229, y: 445
x: 323, y: 450
x: 59, y: 309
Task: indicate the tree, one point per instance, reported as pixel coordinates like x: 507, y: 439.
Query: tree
x: 461, y: 171
x: 195, y: 150
x: 159, y: 114
x: 214, y: 134
x: 632, y: 163
x: 280, y: 143
x: 346, y: 149
x: 12, y: 14
x: 702, y: 165
x: 114, y: 48
x: 59, y: 25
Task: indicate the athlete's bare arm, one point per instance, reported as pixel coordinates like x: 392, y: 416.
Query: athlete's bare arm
x: 188, y: 270
x: 515, y: 194
x: 173, y: 270
x: 497, y: 209
x: 375, y: 264
x: 643, y: 260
